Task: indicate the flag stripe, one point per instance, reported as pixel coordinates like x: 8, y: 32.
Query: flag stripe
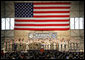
x: 51, y: 7
x: 41, y: 20
x: 63, y: 18
x: 37, y: 16
x: 51, y: 11
x: 42, y: 29
x: 41, y: 24
x: 57, y: 3
x: 51, y: 14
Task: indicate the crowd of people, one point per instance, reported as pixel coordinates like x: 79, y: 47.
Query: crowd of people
x: 47, y: 54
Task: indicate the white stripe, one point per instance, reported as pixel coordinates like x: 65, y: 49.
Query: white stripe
x: 51, y: 13
x: 51, y: 9
x: 41, y: 26
x: 41, y: 22
x: 52, y: 5
x: 50, y: 18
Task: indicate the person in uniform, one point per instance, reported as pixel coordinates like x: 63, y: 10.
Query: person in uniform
x: 15, y: 46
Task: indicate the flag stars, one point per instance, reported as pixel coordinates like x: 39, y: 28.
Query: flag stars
x: 23, y: 10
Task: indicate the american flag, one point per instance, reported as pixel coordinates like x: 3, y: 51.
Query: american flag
x: 42, y: 16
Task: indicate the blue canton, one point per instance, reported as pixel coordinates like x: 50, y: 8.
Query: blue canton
x: 23, y: 10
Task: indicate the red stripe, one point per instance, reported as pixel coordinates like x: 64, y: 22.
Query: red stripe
x: 51, y: 16
x: 41, y: 20
x: 51, y: 11
x: 41, y: 28
x: 51, y: 7
x: 41, y: 24
x: 67, y: 3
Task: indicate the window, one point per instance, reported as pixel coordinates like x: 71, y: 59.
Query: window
x: 81, y: 23
x: 71, y: 23
x: 77, y: 23
x: 7, y: 23
x: 12, y: 23
x: 3, y: 23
